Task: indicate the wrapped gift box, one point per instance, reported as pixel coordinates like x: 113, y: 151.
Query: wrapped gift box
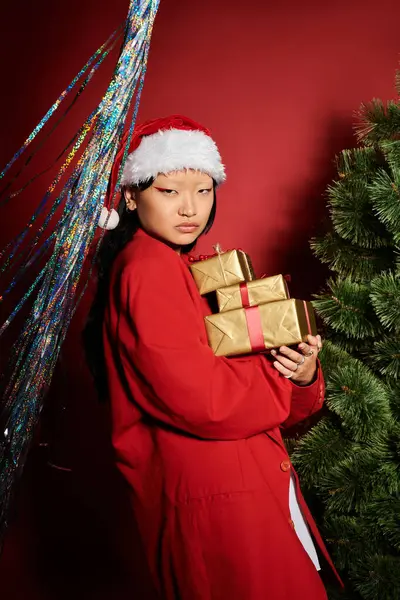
x: 222, y: 270
x: 259, y: 328
x: 252, y: 293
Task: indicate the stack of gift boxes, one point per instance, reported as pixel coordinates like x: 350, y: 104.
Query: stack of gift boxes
x: 255, y: 315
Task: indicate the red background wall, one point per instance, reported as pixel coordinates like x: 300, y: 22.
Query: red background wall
x: 278, y: 87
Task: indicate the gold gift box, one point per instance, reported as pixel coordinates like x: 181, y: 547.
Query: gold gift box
x: 284, y: 323
x: 260, y: 291
x: 221, y: 270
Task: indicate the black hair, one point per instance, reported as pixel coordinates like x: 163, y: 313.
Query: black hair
x: 114, y: 241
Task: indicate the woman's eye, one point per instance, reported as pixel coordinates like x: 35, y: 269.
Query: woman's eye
x: 168, y: 192
x: 205, y: 191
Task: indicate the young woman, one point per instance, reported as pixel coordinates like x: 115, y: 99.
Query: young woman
x: 198, y: 437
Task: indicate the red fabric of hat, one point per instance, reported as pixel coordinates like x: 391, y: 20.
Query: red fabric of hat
x: 147, y: 128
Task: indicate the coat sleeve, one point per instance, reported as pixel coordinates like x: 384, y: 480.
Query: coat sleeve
x: 173, y: 374
x: 306, y: 400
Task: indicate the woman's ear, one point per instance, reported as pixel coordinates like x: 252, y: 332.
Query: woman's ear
x: 130, y: 199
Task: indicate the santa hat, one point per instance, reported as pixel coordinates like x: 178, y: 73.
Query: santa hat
x: 160, y: 146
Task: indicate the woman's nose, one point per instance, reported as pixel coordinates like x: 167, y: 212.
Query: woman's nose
x: 188, y: 207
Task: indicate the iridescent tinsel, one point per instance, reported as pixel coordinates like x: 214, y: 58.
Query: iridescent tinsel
x: 82, y: 198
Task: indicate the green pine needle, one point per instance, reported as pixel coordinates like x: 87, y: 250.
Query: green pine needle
x: 336, y: 593
x: 391, y: 152
x: 357, y: 348
x: 349, y: 260
x: 384, y: 357
x: 291, y: 445
x: 347, y: 308
x: 385, y: 298
x: 385, y: 513
x: 331, y: 356
x: 318, y: 450
x: 385, y: 196
x: 343, y: 529
x: 350, y: 536
x: 350, y: 461
x: 377, y: 577
x: 377, y: 121
x: 394, y: 398
x: 352, y: 216
x: 338, y: 350
x: 397, y: 82
x: 389, y: 468
x: 358, y: 161
x: 361, y: 401
x: 349, y: 485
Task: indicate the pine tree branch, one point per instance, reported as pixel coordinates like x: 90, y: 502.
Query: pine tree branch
x: 318, y: 450
x: 331, y: 356
x: 377, y: 121
x: 358, y: 348
x: 361, y: 401
x: 385, y: 196
x: 351, y: 483
x: 358, y: 162
x: 394, y: 398
x: 391, y: 153
x: 397, y: 82
x: 335, y: 593
x: 350, y: 536
x: 385, y: 513
x: 384, y: 357
x: 347, y: 309
x: 349, y: 260
x: 350, y: 202
x: 385, y: 298
x: 377, y: 577
x: 350, y: 461
x: 352, y: 216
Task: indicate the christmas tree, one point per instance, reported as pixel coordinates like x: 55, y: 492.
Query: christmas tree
x: 350, y: 461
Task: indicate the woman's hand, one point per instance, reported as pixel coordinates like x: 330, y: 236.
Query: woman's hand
x: 298, y: 366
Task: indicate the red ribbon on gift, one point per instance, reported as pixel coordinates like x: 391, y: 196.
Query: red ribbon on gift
x: 307, y: 317
x: 207, y: 256
x: 254, y: 328
x: 244, y: 294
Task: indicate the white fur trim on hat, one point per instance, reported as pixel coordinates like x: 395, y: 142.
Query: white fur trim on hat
x: 173, y: 150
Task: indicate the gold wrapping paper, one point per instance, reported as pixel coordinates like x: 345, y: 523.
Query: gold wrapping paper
x: 284, y: 323
x: 261, y: 291
x: 222, y: 270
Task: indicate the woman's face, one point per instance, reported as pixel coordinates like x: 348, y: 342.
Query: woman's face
x: 176, y: 207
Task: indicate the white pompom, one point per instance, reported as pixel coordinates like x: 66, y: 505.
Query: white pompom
x: 113, y: 219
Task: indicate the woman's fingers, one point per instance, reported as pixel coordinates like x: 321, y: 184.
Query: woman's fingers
x: 289, y: 353
x: 312, y: 340
x: 288, y: 363
x: 283, y: 370
x: 314, y: 345
x: 307, y: 350
x: 299, y: 365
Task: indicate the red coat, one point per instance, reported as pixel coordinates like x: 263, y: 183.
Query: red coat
x: 198, y: 439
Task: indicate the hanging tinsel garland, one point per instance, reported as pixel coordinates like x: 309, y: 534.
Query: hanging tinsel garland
x: 80, y: 202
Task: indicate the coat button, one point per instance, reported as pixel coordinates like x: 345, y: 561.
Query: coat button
x: 285, y: 465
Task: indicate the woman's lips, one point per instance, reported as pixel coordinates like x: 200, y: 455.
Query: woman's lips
x: 187, y: 227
